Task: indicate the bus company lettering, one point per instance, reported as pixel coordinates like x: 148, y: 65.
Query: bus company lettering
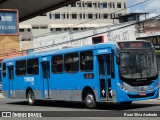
x: 103, y: 51
x: 29, y: 79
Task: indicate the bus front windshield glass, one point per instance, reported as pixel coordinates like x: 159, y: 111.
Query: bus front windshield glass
x: 138, y: 65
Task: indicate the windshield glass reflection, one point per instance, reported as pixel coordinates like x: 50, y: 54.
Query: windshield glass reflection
x: 138, y: 65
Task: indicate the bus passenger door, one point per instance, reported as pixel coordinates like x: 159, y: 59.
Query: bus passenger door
x: 11, y: 81
x: 104, y: 76
x: 45, y: 77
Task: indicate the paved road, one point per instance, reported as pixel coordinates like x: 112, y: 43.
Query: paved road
x: 79, y: 108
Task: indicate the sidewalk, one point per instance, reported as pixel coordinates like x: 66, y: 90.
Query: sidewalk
x: 1, y: 96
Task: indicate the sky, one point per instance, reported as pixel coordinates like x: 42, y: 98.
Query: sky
x: 151, y: 6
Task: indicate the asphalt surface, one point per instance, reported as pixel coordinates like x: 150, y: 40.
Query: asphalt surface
x: 78, y: 111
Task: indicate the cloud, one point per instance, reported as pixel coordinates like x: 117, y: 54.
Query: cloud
x: 152, y: 7
x: 154, y: 4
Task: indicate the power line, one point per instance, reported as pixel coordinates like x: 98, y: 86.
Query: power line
x: 95, y: 18
x: 65, y: 42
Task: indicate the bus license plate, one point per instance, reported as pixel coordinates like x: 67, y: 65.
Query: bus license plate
x: 142, y: 93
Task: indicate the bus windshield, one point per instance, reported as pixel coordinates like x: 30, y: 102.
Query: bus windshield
x: 138, y: 64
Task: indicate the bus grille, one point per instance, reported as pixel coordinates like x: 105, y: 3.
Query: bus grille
x: 139, y: 96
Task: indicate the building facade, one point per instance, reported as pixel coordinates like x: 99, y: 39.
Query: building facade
x: 81, y: 15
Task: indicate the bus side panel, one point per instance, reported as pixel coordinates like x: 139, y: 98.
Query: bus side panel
x: 22, y: 83
x: 5, y: 87
x: 69, y: 86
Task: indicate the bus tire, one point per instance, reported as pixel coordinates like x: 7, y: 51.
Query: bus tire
x: 126, y: 103
x: 90, y: 100
x: 30, y: 97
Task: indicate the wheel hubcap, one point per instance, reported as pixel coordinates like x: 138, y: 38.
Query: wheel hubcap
x: 90, y: 99
x: 31, y: 98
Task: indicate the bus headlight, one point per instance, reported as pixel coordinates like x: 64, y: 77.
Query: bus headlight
x: 122, y: 87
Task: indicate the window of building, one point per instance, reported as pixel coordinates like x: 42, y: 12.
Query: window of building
x: 50, y: 16
x: 63, y: 16
x: 21, y: 30
x: 109, y: 15
x: 75, y: 29
x: 57, y: 16
x: 35, y: 26
x: 110, y: 5
x: 83, y: 4
x: 113, y: 4
x: 74, y: 16
x: 4, y: 69
x: 29, y: 30
x: 119, y: 5
x: 125, y: 5
x: 80, y: 15
x: 43, y: 26
x: 79, y: 4
x: 86, y: 61
x: 98, y: 39
x: 99, y: 16
x: 99, y: 5
x: 119, y: 14
x: 71, y: 62
x: 67, y: 15
x: 26, y: 39
x: 58, y: 29
x: 105, y: 16
x: 73, y: 4
x: 33, y: 66
x: 51, y: 29
x: 96, y: 16
x: 95, y: 4
x: 84, y: 16
x: 104, y: 4
x: 21, y: 67
x: 57, y: 64
x: 90, y: 16
x: 89, y: 4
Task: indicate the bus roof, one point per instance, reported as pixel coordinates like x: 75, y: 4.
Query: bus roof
x: 62, y: 51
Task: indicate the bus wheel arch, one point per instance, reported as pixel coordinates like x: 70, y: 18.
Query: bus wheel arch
x: 88, y: 96
x: 30, y: 96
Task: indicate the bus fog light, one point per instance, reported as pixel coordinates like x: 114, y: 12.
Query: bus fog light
x: 122, y: 87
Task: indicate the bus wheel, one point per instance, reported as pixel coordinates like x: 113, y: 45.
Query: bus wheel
x: 126, y: 103
x: 31, y: 97
x: 90, y: 100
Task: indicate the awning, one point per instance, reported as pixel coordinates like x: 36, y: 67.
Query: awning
x: 25, y: 26
x: 59, y: 25
x: 76, y: 25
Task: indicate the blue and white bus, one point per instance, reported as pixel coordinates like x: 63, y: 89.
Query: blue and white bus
x: 119, y: 72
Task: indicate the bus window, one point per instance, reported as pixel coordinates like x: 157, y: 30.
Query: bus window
x: 21, y: 67
x: 101, y: 65
x: 86, y: 61
x: 11, y: 72
x: 4, y: 69
x: 33, y: 66
x: 71, y: 62
x: 57, y: 64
